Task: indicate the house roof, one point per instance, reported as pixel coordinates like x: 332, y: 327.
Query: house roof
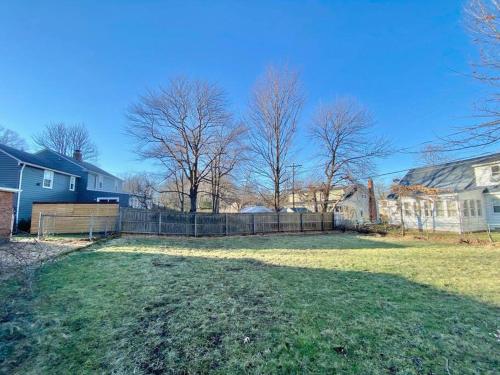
x: 81, y: 165
x: 453, y: 176
x: 33, y: 159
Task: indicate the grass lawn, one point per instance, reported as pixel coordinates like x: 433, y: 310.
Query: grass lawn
x: 337, y: 303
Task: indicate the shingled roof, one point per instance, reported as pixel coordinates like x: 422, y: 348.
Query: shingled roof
x: 454, y: 176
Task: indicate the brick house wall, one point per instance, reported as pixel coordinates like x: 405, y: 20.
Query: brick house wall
x: 5, y: 214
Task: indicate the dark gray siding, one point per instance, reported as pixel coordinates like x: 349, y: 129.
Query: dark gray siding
x: 32, y: 190
x: 9, y: 171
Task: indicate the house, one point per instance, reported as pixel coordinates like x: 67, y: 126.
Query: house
x: 466, y: 196
x: 6, y: 212
x: 48, y: 176
x: 351, y: 201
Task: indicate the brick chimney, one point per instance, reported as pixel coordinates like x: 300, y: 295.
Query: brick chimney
x: 372, y: 204
x: 77, y: 155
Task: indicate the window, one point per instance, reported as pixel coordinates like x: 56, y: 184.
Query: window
x: 98, y: 182
x: 479, y: 208
x: 72, y: 182
x: 452, y: 208
x: 496, y: 209
x: 495, y: 172
x: 108, y: 200
x: 472, y: 207
x: 407, y: 209
x: 427, y: 209
x: 465, y: 208
x: 48, y: 179
x: 439, y: 208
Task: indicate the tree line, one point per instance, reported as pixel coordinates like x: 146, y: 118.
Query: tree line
x: 187, y: 127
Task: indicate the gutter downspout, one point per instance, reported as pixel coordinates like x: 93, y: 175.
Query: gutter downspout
x: 19, y: 194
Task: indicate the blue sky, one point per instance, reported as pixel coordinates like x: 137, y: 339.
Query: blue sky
x: 87, y: 61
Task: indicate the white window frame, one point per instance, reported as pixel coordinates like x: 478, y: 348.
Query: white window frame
x: 48, y: 176
x: 72, y: 183
x: 495, y: 172
x: 99, y: 199
x: 479, y: 208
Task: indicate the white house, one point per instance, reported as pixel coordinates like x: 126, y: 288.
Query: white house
x: 467, y: 198
x: 351, y: 201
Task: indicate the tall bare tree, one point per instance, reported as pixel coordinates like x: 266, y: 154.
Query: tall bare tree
x: 274, y: 111
x: 66, y: 139
x: 228, y: 151
x: 11, y: 138
x: 482, y: 20
x: 177, y: 125
x: 347, y: 149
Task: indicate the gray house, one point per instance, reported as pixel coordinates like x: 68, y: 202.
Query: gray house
x: 48, y: 176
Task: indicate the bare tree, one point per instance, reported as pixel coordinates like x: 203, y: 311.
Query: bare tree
x: 143, y: 187
x: 11, y: 138
x: 66, y: 139
x: 177, y: 125
x: 482, y: 20
x: 228, y: 150
x: 274, y: 111
x: 347, y: 150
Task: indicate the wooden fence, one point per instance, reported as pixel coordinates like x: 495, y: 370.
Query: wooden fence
x: 159, y: 222
x: 73, y: 217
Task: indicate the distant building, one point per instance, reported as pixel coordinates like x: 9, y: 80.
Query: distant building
x: 351, y: 201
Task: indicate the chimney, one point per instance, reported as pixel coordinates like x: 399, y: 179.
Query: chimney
x: 372, y: 204
x: 77, y: 155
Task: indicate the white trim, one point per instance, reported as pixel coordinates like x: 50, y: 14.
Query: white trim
x: 51, y: 179
x: 72, y: 181
x: 9, y: 190
x: 98, y: 199
x: 19, y: 194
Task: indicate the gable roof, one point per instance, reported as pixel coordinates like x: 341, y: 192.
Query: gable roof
x: 69, y: 162
x: 33, y: 160
x: 453, y: 176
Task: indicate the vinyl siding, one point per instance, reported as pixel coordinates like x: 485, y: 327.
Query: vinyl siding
x: 32, y: 190
x: 9, y: 171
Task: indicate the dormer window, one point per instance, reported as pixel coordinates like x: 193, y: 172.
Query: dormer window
x: 495, y: 172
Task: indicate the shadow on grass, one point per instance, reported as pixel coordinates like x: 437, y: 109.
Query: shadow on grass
x: 153, y: 314
x: 333, y: 241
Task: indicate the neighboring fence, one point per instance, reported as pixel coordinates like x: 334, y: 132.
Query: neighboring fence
x: 166, y: 223
x: 57, y: 218
x: 97, y: 219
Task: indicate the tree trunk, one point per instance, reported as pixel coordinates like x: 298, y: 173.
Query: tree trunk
x: 193, y: 197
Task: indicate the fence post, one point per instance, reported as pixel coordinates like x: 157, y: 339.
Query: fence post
x: 40, y: 225
x: 225, y: 220
x: 301, y: 223
x: 120, y: 218
x: 253, y: 223
x: 195, y: 227
x: 322, y: 222
x: 91, y: 228
x: 278, y: 221
x: 159, y: 223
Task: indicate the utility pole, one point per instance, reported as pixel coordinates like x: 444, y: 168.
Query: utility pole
x: 293, y: 166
